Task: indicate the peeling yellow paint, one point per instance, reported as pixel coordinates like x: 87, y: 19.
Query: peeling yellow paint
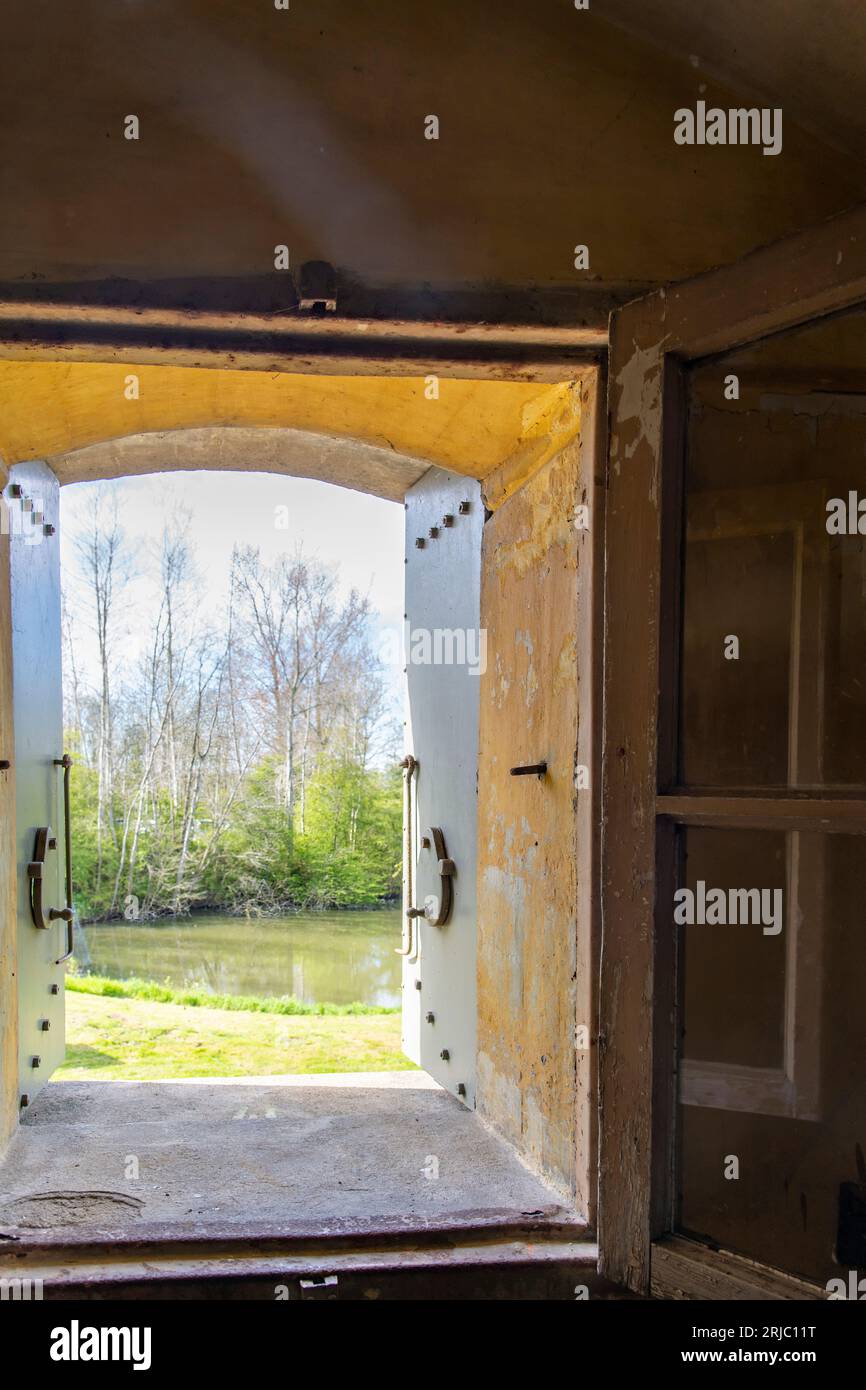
x: 567, y: 663
x: 527, y: 925
x: 548, y: 425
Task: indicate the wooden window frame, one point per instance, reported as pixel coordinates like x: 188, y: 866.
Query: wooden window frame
x: 485, y: 349
x: 652, y: 343
x: 792, y: 1089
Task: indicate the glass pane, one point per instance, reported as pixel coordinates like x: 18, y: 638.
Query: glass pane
x: 772, y: 1085
x: 774, y: 605
x: 734, y: 976
x: 735, y: 711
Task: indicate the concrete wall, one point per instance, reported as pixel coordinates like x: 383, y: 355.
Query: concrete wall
x: 535, y: 835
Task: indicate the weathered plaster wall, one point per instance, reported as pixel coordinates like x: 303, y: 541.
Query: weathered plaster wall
x: 305, y: 127
x: 535, y: 841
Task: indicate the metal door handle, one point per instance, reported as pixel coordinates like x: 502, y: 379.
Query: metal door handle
x: 67, y: 916
x: 45, y: 841
x: 438, y: 910
x: 35, y: 872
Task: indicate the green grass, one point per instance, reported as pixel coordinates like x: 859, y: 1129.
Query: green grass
x: 124, y: 1038
x: 200, y: 998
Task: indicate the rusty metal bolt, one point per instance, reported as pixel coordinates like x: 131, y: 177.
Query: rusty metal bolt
x: 36, y: 1061
x: 464, y: 507
x: 434, y: 532
x: 44, y: 1024
x: 431, y: 1018
x: 420, y: 542
x: 25, y: 1101
x: 16, y: 490
x: 49, y: 529
x: 448, y: 519
x: 445, y: 1055
x: 461, y: 1089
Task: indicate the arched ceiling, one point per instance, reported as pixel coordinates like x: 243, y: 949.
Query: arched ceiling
x: 241, y: 449
x: 376, y: 434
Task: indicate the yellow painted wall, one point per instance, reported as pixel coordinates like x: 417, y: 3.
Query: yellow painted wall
x: 535, y: 928
x: 50, y: 408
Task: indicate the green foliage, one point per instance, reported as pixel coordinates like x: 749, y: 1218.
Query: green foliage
x: 339, y: 851
x: 91, y: 900
x: 199, y: 999
x: 352, y: 829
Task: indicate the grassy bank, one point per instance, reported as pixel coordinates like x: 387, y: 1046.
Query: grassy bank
x: 115, y: 1037
x: 200, y: 998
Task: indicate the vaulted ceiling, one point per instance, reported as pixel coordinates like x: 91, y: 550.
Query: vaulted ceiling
x: 305, y: 127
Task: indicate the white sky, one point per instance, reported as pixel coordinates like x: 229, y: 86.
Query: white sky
x: 360, y: 535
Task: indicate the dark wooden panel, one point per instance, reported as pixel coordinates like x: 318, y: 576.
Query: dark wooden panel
x: 631, y: 684
x: 844, y: 815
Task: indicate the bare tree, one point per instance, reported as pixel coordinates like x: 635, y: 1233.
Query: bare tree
x: 101, y: 554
